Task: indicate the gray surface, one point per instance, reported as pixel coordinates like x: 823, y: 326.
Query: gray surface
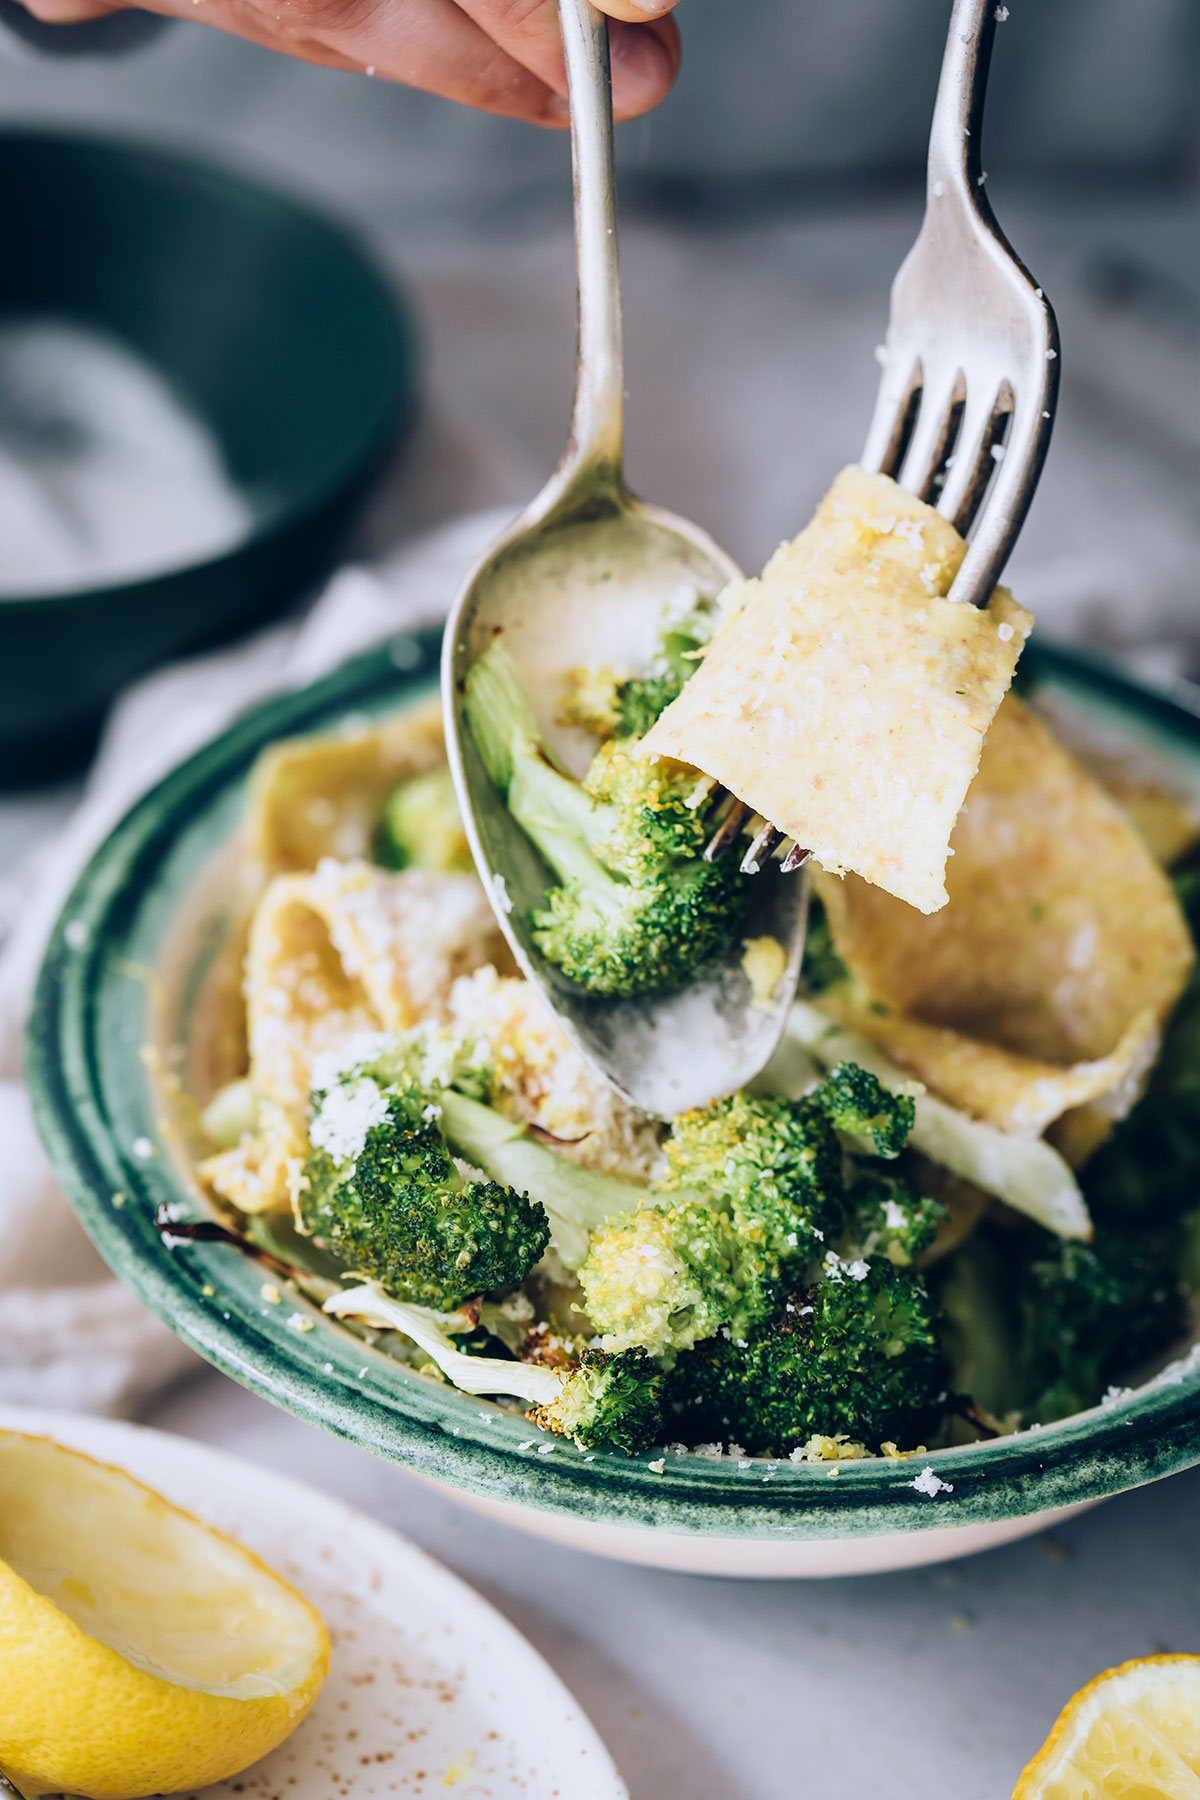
x: 936, y: 1682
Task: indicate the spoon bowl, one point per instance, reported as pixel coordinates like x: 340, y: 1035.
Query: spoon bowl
x: 583, y: 578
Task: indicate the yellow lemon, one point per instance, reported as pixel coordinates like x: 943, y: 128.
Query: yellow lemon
x: 1132, y: 1734
x: 141, y: 1652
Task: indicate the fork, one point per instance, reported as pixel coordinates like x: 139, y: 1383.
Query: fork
x: 970, y: 367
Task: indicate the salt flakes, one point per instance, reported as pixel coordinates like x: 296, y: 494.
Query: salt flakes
x: 347, y: 1114
x: 500, y: 894
x: 929, y: 1484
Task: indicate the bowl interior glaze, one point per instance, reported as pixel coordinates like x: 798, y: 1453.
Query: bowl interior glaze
x: 137, y: 944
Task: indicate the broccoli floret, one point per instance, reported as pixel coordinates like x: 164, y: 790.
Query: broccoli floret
x: 668, y: 1276
x: 576, y: 1201
x: 605, y: 1400
x: 596, y: 1399
x: 855, y: 1356
x: 1091, y: 1313
x: 422, y: 827
x: 886, y: 1217
x: 604, y: 703
x: 639, y: 701
x: 633, y: 913
x: 862, y: 1110
x: 651, y: 822
x: 382, y: 1191
x: 612, y: 938
x: 751, y: 1199
x: 774, y: 1164
x: 444, y: 1080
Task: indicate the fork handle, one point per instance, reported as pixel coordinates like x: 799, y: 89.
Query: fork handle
x: 957, y: 129
x: 593, y: 456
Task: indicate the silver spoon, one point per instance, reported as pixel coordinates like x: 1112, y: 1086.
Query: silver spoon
x: 581, y: 578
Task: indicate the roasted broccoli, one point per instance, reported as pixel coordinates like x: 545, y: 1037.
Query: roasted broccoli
x: 856, y: 1356
x: 773, y: 1164
x: 668, y: 1276
x: 1089, y: 1314
x: 885, y: 1217
x: 603, y: 702
x: 863, y: 1111
x: 751, y: 1199
x: 382, y: 1191
x: 606, y: 1400
x: 597, y: 1399
x: 422, y: 827
x: 636, y: 909
x: 648, y: 817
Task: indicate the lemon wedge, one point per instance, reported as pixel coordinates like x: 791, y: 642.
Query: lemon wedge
x: 141, y: 1652
x: 1132, y: 1734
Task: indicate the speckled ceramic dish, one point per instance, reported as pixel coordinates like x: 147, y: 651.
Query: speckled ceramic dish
x: 117, y: 1002
x: 429, y: 1691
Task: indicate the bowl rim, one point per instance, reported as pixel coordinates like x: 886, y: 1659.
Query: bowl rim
x: 395, y: 401
x: 325, y: 1376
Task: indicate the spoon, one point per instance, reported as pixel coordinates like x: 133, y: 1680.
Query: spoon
x: 581, y: 578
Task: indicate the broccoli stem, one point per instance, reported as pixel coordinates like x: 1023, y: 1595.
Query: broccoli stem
x: 551, y: 808
x: 577, y: 1201
x: 473, y: 1374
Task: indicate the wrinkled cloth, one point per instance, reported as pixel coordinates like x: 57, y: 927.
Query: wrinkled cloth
x: 70, y: 1336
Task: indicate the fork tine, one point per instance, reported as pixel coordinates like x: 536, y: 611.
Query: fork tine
x: 761, y: 848
x: 1007, y: 501
x: 934, y: 436
x: 729, y: 829
x: 895, y: 415
x: 984, y: 429
x: 796, y: 858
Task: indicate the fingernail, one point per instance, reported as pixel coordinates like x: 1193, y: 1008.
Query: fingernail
x: 641, y: 67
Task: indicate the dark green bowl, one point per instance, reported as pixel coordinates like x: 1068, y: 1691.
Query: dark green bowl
x: 271, y: 324
x: 128, y: 956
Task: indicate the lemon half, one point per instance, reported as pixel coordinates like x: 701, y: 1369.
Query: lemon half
x: 141, y: 1652
x: 1132, y: 1734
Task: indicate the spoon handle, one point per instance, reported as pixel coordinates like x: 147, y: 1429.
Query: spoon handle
x: 593, y: 456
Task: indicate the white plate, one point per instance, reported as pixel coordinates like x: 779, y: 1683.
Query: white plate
x: 430, y: 1693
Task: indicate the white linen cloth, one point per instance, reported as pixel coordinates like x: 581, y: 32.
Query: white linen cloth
x: 71, y: 1336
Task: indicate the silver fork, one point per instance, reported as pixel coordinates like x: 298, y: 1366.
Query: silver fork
x: 970, y: 381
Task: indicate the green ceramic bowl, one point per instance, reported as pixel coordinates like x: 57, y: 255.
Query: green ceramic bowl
x: 127, y: 959
x: 271, y: 324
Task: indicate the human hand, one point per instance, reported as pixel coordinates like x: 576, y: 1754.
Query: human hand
x: 502, y: 56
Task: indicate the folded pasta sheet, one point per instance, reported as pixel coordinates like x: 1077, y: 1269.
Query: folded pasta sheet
x: 323, y: 796
x: 344, y: 950
x: 1042, y: 986
x: 845, y: 698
